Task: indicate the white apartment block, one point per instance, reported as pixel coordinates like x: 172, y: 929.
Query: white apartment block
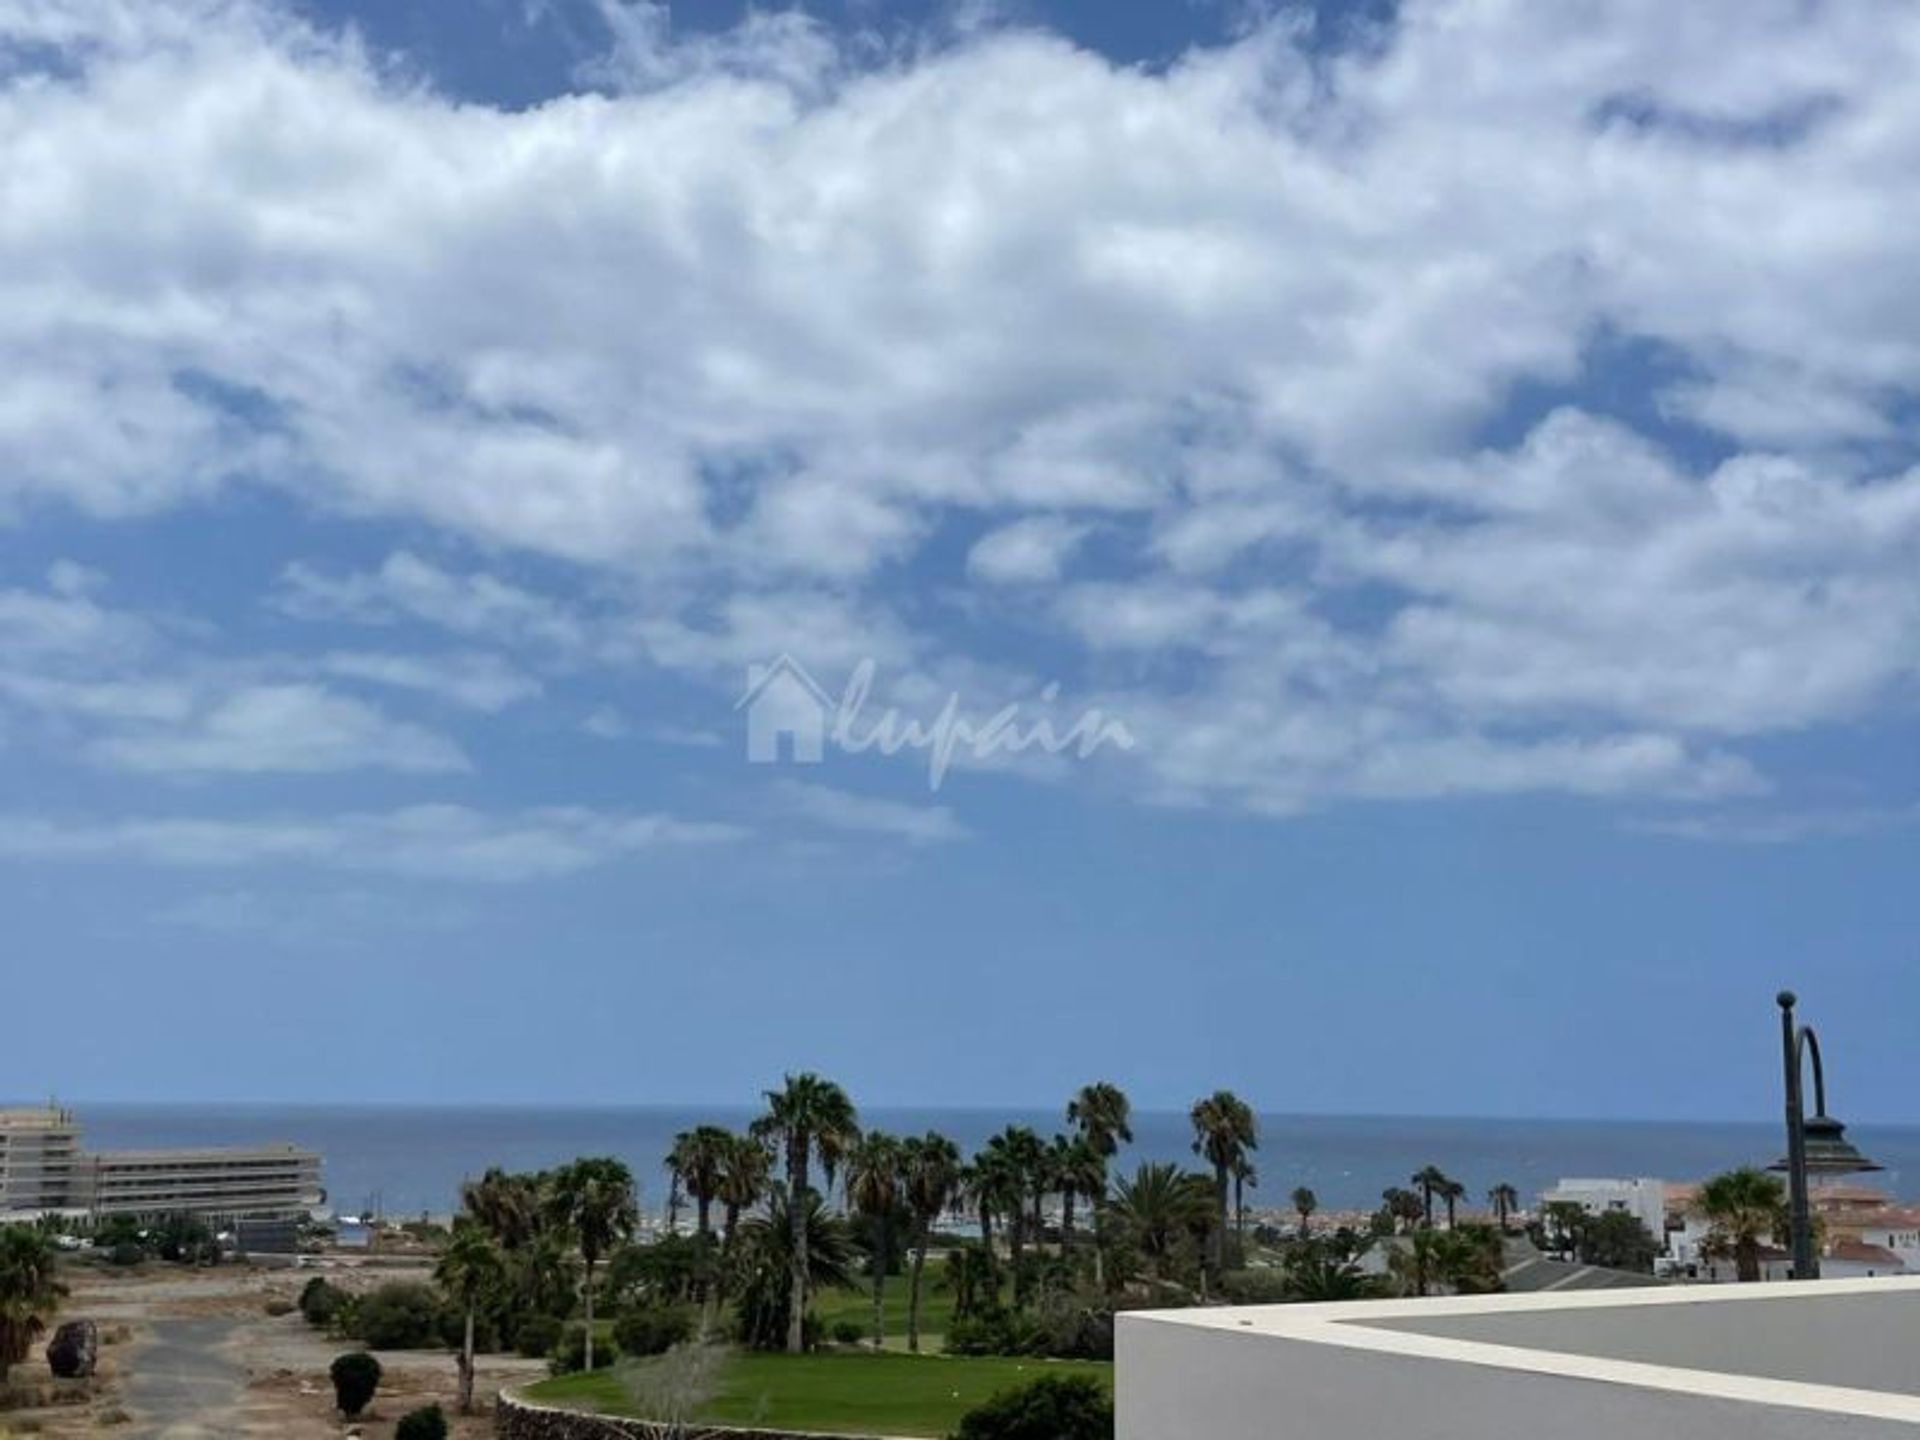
x: 1644, y: 1199
x: 43, y: 1168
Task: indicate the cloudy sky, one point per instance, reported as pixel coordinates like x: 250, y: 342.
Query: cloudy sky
x: 1469, y: 447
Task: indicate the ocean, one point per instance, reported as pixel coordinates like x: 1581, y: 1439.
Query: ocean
x: 405, y: 1160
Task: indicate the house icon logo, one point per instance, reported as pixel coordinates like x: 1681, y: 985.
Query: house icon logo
x: 782, y: 699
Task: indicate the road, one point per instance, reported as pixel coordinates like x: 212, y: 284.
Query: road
x: 184, y: 1383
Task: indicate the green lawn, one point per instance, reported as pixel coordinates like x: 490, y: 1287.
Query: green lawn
x: 936, y: 1310
x: 840, y: 1392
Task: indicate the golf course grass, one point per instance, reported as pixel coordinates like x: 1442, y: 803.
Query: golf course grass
x: 843, y: 1392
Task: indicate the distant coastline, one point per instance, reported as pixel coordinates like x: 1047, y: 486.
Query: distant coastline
x: 404, y: 1159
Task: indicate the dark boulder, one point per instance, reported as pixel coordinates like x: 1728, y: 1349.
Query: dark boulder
x: 74, y: 1349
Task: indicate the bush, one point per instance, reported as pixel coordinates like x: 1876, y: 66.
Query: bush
x: 570, y: 1354
x: 848, y: 1332
x: 651, y: 1330
x: 320, y: 1302
x: 277, y: 1307
x: 1075, y: 1328
x: 1255, y: 1287
x: 400, y: 1315
x: 996, y: 1332
x: 126, y: 1253
x: 429, y: 1422
x: 1059, y: 1407
x: 355, y: 1378
x: 537, y: 1336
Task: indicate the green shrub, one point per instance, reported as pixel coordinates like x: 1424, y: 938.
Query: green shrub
x: 651, y: 1330
x: 1058, y: 1407
x: 429, y: 1422
x: 847, y: 1332
x: 1255, y: 1287
x: 277, y: 1307
x: 355, y: 1379
x: 320, y: 1302
x: 537, y: 1335
x: 570, y: 1354
x: 126, y: 1253
x: 996, y: 1332
x: 400, y: 1315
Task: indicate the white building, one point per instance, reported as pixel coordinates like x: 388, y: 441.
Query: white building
x: 1644, y: 1199
x: 43, y: 1168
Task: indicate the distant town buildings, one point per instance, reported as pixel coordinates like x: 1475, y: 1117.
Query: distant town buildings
x: 43, y: 1169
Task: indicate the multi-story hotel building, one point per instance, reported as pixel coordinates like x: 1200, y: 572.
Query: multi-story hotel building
x: 42, y: 1168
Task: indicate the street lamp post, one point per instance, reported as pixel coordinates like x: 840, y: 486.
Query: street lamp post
x: 1816, y: 1145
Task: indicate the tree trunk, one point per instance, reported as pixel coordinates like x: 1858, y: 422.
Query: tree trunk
x: 913, y: 1293
x: 881, y: 1251
x: 466, y: 1365
x: 1066, y: 1222
x: 1220, y: 1230
x: 1747, y: 1261
x: 705, y: 1204
x: 589, y: 1351
x: 993, y: 1262
x: 797, y: 1217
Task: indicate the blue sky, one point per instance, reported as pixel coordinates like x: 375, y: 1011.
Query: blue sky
x: 1470, y: 450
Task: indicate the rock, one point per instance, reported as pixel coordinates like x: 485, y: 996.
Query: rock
x: 74, y: 1349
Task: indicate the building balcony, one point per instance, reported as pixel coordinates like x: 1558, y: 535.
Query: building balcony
x: 1820, y: 1360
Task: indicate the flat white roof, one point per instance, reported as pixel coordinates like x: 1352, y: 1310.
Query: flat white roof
x: 1842, y: 1347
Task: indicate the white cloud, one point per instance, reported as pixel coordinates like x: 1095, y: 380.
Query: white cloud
x: 477, y: 681
x: 767, y: 327
x: 1027, y: 552
x: 866, y: 814
x: 285, y: 728
x: 442, y: 842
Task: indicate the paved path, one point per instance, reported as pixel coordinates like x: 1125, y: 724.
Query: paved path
x: 184, y: 1383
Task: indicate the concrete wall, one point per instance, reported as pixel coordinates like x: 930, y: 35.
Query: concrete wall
x: 1184, y: 1382
x: 516, y: 1419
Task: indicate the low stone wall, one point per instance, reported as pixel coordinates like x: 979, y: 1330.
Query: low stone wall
x: 517, y: 1419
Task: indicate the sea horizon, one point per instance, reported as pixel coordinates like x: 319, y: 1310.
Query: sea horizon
x: 403, y: 1158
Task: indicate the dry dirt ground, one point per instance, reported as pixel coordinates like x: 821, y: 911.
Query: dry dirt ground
x: 195, y: 1354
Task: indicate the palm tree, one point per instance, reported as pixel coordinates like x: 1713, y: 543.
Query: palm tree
x: 1452, y: 1192
x: 744, y: 1170
x: 1319, y: 1270
x: 1245, y: 1178
x: 807, y: 1115
x: 1103, y: 1115
x: 1002, y: 1182
x: 874, y: 1191
x: 1465, y: 1261
x: 506, y: 1206
x: 1224, y: 1131
x: 1747, y: 1208
x: 1305, y: 1202
x: 1405, y: 1207
x: 29, y: 1291
x: 1505, y: 1200
x: 594, y: 1199
x: 930, y: 1177
x: 1160, y: 1205
x: 470, y: 1271
x: 1429, y: 1180
x: 764, y: 1262
x: 1080, y: 1171
x: 697, y: 1160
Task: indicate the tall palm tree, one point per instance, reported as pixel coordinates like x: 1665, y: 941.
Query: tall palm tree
x: 1103, y: 1115
x: 930, y: 1176
x: 1452, y: 1192
x: 1505, y: 1200
x: 470, y: 1271
x: 764, y: 1260
x: 697, y: 1160
x: 507, y: 1206
x: 874, y: 1187
x: 1081, y: 1173
x: 1404, y: 1207
x: 29, y: 1291
x: 1245, y: 1177
x: 805, y: 1117
x: 594, y: 1199
x: 1430, y: 1180
x: 1305, y: 1202
x: 1012, y: 1168
x: 1224, y: 1132
x: 1747, y: 1208
x: 745, y: 1168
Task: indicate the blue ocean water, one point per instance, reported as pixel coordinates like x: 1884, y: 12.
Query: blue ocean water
x: 405, y: 1160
